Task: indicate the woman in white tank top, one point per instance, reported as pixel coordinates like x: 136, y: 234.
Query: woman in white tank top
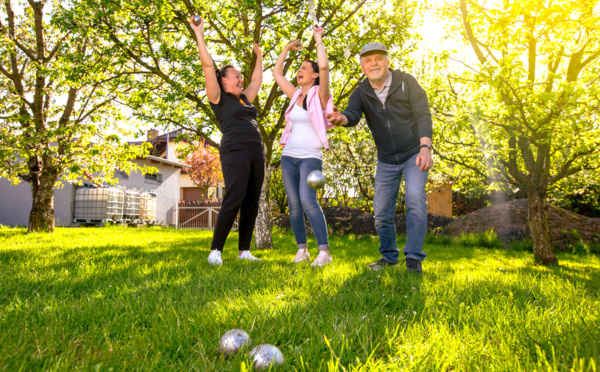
x: 304, y: 144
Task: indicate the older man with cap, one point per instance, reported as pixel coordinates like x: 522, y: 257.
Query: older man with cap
x: 398, y: 115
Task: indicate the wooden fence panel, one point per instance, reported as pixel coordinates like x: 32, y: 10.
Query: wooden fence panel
x: 439, y: 200
x: 199, y: 214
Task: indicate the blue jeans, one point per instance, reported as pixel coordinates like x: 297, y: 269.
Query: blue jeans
x: 302, y: 199
x: 387, y: 185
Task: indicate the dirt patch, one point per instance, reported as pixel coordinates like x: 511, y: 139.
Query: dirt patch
x: 345, y: 220
x: 509, y: 221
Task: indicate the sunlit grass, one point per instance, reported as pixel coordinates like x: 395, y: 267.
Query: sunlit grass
x: 147, y: 299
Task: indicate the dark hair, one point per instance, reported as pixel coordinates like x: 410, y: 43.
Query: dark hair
x: 220, y: 74
x: 315, y: 67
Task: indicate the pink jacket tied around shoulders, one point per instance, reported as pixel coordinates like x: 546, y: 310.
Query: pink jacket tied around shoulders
x: 316, y: 113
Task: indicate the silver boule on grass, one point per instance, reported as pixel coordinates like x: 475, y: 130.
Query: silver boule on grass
x: 316, y: 179
x: 234, y: 340
x: 265, y: 355
x: 196, y: 19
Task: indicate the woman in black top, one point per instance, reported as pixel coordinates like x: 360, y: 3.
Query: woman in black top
x: 242, y: 158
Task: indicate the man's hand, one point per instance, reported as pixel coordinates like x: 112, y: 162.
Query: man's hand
x: 424, y: 159
x: 336, y: 118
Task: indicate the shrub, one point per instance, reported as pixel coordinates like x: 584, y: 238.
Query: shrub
x: 437, y: 238
x: 524, y: 245
x: 488, y: 239
x: 580, y: 248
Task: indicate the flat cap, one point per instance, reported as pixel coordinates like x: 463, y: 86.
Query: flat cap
x: 373, y: 47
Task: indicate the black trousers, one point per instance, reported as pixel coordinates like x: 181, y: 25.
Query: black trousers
x: 243, y: 172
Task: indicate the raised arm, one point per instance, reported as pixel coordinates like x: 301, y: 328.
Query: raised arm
x: 287, y: 87
x: 213, y: 91
x: 324, y: 92
x: 255, y: 82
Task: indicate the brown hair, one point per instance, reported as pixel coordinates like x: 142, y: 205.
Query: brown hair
x: 315, y: 67
x: 220, y: 74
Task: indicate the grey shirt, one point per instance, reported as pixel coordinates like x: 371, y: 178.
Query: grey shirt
x: 383, y: 92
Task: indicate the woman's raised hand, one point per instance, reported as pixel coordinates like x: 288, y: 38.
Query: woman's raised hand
x: 257, y: 50
x: 318, y: 33
x: 196, y: 27
x: 294, y: 45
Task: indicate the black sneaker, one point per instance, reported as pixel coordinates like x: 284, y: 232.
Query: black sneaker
x: 413, y: 265
x: 379, y: 264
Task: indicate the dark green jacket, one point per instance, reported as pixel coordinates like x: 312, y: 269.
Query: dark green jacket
x: 397, y: 126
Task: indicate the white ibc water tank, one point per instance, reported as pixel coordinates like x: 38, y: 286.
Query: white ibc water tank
x: 148, y: 207
x: 94, y: 204
x: 132, y: 205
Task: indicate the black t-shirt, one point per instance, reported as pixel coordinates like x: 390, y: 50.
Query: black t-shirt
x: 237, y: 121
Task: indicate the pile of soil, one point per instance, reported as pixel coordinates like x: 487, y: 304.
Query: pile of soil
x: 345, y: 220
x: 509, y: 221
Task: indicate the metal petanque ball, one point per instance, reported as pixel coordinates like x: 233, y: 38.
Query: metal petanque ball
x: 315, y: 179
x: 232, y: 341
x: 265, y: 355
x: 196, y: 19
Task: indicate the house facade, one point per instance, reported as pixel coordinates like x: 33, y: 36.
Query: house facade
x: 166, y: 146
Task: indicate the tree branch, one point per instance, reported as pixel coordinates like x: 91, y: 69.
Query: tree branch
x: 513, y: 167
x: 566, y: 170
x: 472, y: 40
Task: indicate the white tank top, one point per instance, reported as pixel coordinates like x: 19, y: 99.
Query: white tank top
x: 303, y: 141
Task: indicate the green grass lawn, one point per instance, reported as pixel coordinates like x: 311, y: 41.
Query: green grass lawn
x: 124, y: 299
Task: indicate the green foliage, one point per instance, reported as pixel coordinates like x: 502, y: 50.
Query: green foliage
x: 278, y: 195
x: 142, y: 299
x: 166, y: 85
x: 578, y: 196
x: 528, y: 98
x: 57, y: 112
x: 350, y: 168
x: 523, y: 113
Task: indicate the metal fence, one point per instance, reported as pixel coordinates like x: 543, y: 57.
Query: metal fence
x: 199, y: 214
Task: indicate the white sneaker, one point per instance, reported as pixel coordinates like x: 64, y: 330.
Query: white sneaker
x: 246, y: 255
x: 322, y: 259
x: 214, y: 258
x: 301, y: 256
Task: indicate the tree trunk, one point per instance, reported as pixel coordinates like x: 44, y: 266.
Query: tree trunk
x: 263, y: 229
x: 539, y: 229
x: 41, y: 217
